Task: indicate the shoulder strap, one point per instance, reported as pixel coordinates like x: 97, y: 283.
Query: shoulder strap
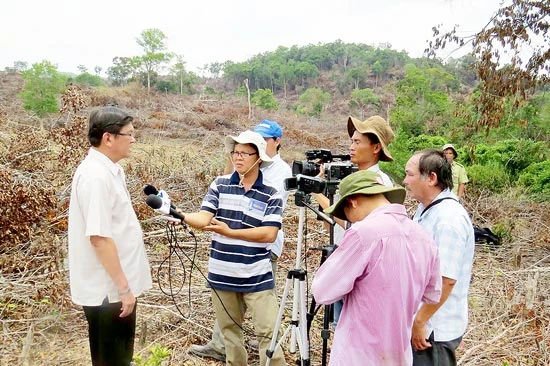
x: 433, y: 203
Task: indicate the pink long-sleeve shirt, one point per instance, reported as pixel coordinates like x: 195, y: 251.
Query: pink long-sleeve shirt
x: 384, y: 267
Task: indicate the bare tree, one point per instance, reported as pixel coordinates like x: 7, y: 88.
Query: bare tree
x: 512, y: 54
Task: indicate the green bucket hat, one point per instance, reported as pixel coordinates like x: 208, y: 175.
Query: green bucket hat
x: 367, y: 183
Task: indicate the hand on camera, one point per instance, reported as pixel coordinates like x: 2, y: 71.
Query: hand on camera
x: 321, y: 171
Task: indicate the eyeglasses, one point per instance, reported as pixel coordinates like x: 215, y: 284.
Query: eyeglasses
x: 242, y: 154
x: 131, y: 134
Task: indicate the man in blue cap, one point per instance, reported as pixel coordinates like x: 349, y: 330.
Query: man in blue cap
x: 273, y: 175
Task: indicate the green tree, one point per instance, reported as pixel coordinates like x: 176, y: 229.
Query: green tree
x: 312, y: 102
x: 214, y: 68
x: 88, y: 79
x: 97, y: 70
x: 20, y: 66
x: 121, y: 70
x: 422, y: 101
x: 178, y: 70
x: 363, y: 98
x: 152, y: 41
x: 43, y: 85
x: 184, y: 79
x: 377, y: 70
x: 305, y: 71
x: 264, y: 98
x: 356, y: 75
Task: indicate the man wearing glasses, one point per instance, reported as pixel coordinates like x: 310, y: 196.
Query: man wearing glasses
x: 108, y: 266
x: 275, y: 175
x: 245, y: 214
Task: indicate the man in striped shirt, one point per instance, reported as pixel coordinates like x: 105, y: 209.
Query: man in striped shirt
x: 244, y: 215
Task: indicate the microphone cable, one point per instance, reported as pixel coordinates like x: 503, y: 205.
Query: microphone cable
x: 171, y: 233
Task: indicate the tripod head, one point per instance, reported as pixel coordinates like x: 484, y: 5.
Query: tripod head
x: 303, y: 199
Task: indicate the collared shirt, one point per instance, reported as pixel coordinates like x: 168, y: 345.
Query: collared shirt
x: 275, y: 175
x: 451, y: 228
x: 338, y: 230
x: 385, y: 265
x: 235, y: 264
x: 100, y: 205
x: 459, y: 175
x: 385, y: 178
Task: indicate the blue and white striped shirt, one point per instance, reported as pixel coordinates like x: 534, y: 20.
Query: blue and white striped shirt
x: 452, y: 230
x: 235, y: 264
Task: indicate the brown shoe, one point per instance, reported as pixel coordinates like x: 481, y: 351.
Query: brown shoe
x: 206, y: 351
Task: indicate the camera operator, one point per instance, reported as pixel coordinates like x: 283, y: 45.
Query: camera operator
x: 369, y: 145
x: 245, y: 215
x: 274, y: 175
x: 372, y: 270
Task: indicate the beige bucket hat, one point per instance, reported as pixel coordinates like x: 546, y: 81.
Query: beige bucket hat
x: 378, y: 127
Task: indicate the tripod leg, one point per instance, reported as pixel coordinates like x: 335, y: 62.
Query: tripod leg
x: 304, y: 349
x: 278, y: 321
x: 295, y: 313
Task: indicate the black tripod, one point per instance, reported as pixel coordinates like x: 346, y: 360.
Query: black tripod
x: 298, y: 327
x: 326, y: 251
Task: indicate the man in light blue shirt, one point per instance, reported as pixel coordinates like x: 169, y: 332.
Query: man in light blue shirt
x: 438, y: 328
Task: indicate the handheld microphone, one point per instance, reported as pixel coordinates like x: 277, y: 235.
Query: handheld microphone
x: 157, y: 203
x: 151, y: 189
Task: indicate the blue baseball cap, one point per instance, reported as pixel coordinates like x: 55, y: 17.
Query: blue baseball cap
x: 268, y: 128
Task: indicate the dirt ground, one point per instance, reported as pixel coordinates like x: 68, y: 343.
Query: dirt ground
x: 39, y: 325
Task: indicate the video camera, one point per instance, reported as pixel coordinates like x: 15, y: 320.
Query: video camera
x: 305, y: 184
x: 334, y: 171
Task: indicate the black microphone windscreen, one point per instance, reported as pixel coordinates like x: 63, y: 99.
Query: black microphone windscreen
x: 150, y: 189
x: 154, y: 201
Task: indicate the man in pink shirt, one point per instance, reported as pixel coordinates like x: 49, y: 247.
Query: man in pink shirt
x: 384, y: 267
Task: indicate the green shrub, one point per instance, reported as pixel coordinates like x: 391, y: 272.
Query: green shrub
x: 167, y: 86
x: 503, y: 231
x: 492, y: 176
x: 403, y: 147
x: 425, y: 142
x: 536, y: 180
x: 156, y: 358
x: 514, y: 155
x: 89, y: 79
x: 312, y: 102
x: 264, y: 98
x: 43, y: 85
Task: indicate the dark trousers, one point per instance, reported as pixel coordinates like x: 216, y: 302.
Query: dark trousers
x: 439, y: 354
x: 111, y: 337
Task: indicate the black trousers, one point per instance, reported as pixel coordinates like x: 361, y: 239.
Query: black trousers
x: 111, y: 337
x: 439, y: 354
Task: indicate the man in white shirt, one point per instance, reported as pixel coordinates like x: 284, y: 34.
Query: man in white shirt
x: 108, y: 266
x: 438, y: 328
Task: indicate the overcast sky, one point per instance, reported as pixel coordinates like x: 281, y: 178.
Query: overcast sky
x: 73, y: 32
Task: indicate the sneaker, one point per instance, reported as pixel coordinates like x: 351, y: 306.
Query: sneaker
x: 206, y: 351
